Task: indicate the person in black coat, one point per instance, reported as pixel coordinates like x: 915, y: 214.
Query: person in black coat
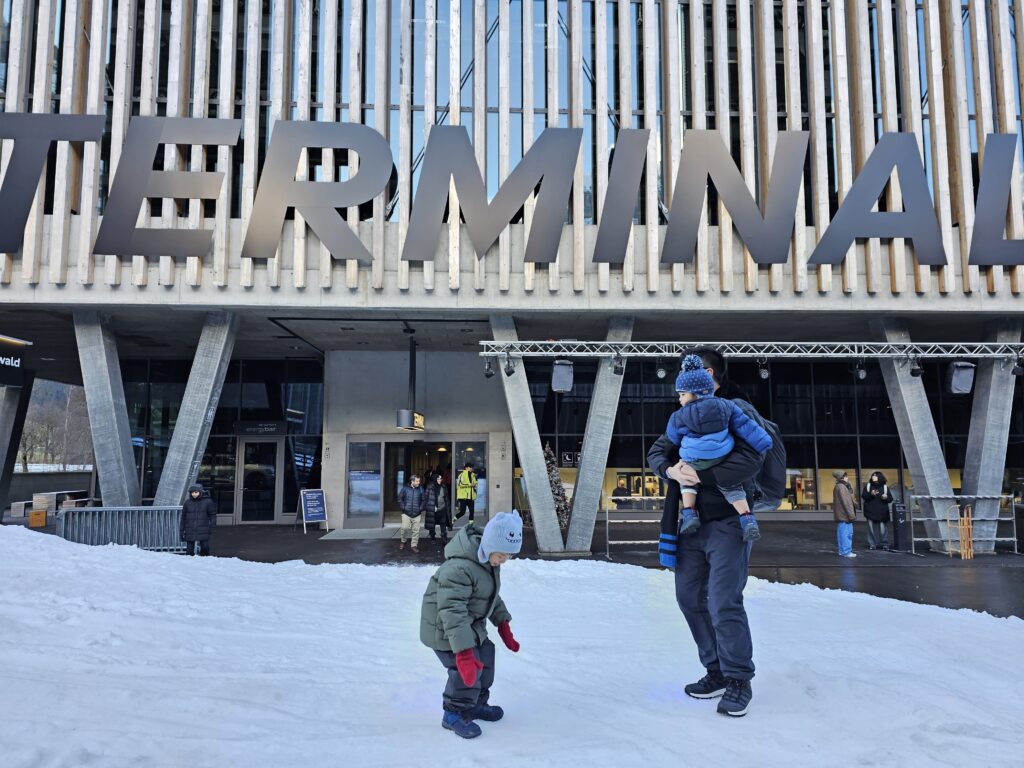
x: 436, y: 504
x: 198, y: 519
x: 877, y: 498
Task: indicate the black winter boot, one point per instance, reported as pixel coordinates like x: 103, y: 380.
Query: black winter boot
x: 711, y: 686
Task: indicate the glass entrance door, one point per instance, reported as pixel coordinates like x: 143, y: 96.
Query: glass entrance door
x: 258, y: 481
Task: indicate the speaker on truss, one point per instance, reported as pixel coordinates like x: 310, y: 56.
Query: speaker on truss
x: 960, y: 377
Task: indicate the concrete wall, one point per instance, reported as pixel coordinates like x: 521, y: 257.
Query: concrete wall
x: 363, y: 390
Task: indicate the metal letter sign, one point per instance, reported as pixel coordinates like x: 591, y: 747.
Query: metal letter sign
x: 546, y: 170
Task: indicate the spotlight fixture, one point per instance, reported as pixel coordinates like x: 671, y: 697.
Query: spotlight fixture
x: 915, y: 368
x: 618, y: 365
x: 860, y: 372
x: 661, y: 371
x: 1018, y: 368
x: 510, y: 367
x: 762, y: 370
x: 488, y: 368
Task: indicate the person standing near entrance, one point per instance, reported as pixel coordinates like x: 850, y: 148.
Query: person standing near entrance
x: 465, y: 491
x: 412, y: 501
x: 877, y: 498
x: 844, y: 512
x: 198, y: 519
x: 437, y: 507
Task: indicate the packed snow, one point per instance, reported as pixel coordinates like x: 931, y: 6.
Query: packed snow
x: 116, y: 657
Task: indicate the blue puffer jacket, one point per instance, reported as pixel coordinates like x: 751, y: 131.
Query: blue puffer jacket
x: 706, y: 428
x: 411, y: 500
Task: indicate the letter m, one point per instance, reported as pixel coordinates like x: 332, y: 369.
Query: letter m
x: 549, y: 165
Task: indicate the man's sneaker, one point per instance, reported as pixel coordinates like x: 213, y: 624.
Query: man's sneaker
x: 751, y: 531
x: 737, y: 698
x: 485, y: 712
x: 459, y: 725
x: 689, y: 522
x: 711, y: 686
x: 848, y: 554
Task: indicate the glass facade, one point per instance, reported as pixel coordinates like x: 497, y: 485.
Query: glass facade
x: 288, y: 393
x: 830, y: 419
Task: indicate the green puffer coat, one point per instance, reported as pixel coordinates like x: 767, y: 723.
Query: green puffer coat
x: 461, y: 596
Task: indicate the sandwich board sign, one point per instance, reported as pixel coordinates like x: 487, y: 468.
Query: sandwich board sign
x: 313, y: 507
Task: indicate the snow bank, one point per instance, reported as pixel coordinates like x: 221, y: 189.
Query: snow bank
x: 116, y: 657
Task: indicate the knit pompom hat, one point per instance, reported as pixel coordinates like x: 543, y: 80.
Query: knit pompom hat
x: 693, y: 378
x: 504, y: 533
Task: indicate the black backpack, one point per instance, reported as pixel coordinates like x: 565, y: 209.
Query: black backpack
x: 771, y: 480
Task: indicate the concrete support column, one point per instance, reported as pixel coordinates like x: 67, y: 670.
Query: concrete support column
x: 916, y: 427
x: 198, y: 407
x: 108, y: 410
x: 594, y: 455
x: 990, y: 431
x: 13, y: 407
x: 527, y: 437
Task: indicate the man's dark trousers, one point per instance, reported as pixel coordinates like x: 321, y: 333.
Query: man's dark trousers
x: 710, y: 577
x: 458, y: 697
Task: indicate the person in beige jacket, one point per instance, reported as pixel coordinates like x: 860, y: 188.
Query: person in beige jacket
x: 844, y: 512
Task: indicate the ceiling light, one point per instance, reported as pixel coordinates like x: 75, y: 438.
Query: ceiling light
x: 661, y: 372
x: 14, y: 341
x: 488, y: 368
x: 510, y: 367
x: 762, y: 369
x: 860, y: 372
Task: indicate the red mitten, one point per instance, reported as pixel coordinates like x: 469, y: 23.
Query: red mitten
x: 505, y: 633
x: 468, y: 666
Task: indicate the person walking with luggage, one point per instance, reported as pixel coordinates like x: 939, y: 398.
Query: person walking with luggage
x: 412, y: 501
x: 198, y: 519
x: 465, y: 491
x: 877, y: 498
x: 844, y: 512
x: 437, y: 513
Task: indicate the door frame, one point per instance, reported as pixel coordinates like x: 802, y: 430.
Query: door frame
x: 279, y: 513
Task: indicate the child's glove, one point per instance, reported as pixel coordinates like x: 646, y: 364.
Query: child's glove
x: 468, y: 665
x: 505, y: 633
x: 667, y: 546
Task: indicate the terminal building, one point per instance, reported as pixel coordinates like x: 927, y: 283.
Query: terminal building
x: 364, y: 191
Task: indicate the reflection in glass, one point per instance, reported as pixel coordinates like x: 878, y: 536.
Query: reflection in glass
x: 363, y: 480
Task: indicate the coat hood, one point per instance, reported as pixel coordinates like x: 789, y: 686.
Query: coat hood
x: 465, y: 544
x: 195, y: 487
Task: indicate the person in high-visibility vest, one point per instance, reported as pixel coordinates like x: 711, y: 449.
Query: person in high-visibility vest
x: 465, y: 491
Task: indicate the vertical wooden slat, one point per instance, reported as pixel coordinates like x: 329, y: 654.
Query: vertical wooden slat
x: 698, y: 100
x: 1006, y: 114
x: 815, y: 46
x: 913, y: 117
x: 841, y: 123
x: 937, y: 137
x: 303, y: 66
x: 280, y: 93
x: 954, y: 70
x: 68, y: 168
x: 480, y: 116
x: 355, y: 115
x: 225, y: 110
x: 748, y: 147
x: 200, y: 108
x: 46, y: 24
x: 529, y: 268
x: 672, y: 127
x: 862, y: 119
x: 16, y: 97
x: 429, y: 103
x: 891, y: 124
x: 250, y: 124
x: 625, y: 67
x: 576, y: 33
x: 178, y: 68
x: 985, y: 120
x: 723, y: 121
x: 795, y: 122
x: 124, y: 67
x: 601, y: 124
x: 382, y: 123
x: 328, y: 49
x: 551, y: 35
x: 454, y: 118
x: 94, y: 105
x: 650, y: 63
x: 768, y: 111
x: 147, y: 77
x: 504, y: 244
x: 404, y: 135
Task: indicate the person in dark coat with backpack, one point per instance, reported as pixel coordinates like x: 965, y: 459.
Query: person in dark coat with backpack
x: 198, y: 519
x: 436, y: 504
x: 877, y: 498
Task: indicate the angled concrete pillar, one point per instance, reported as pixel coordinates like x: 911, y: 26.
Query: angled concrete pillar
x: 531, y: 454
x: 916, y: 427
x: 13, y: 407
x: 594, y: 457
x: 198, y: 407
x: 990, y: 431
x: 108, y: 410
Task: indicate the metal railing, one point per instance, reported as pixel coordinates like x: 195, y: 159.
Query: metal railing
x: 630, y: 510
x: 948, y: 519
x: 153, y: 528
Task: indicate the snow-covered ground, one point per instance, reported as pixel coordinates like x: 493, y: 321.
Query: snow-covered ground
x: 115, y: 657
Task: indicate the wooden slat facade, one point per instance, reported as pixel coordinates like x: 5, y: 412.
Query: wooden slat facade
x: 847, y: 71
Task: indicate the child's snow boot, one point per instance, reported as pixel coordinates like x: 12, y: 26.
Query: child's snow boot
x: 690, y: 522
x: 485, y: 712
x: 459, y: 725
x: 751, y: 531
